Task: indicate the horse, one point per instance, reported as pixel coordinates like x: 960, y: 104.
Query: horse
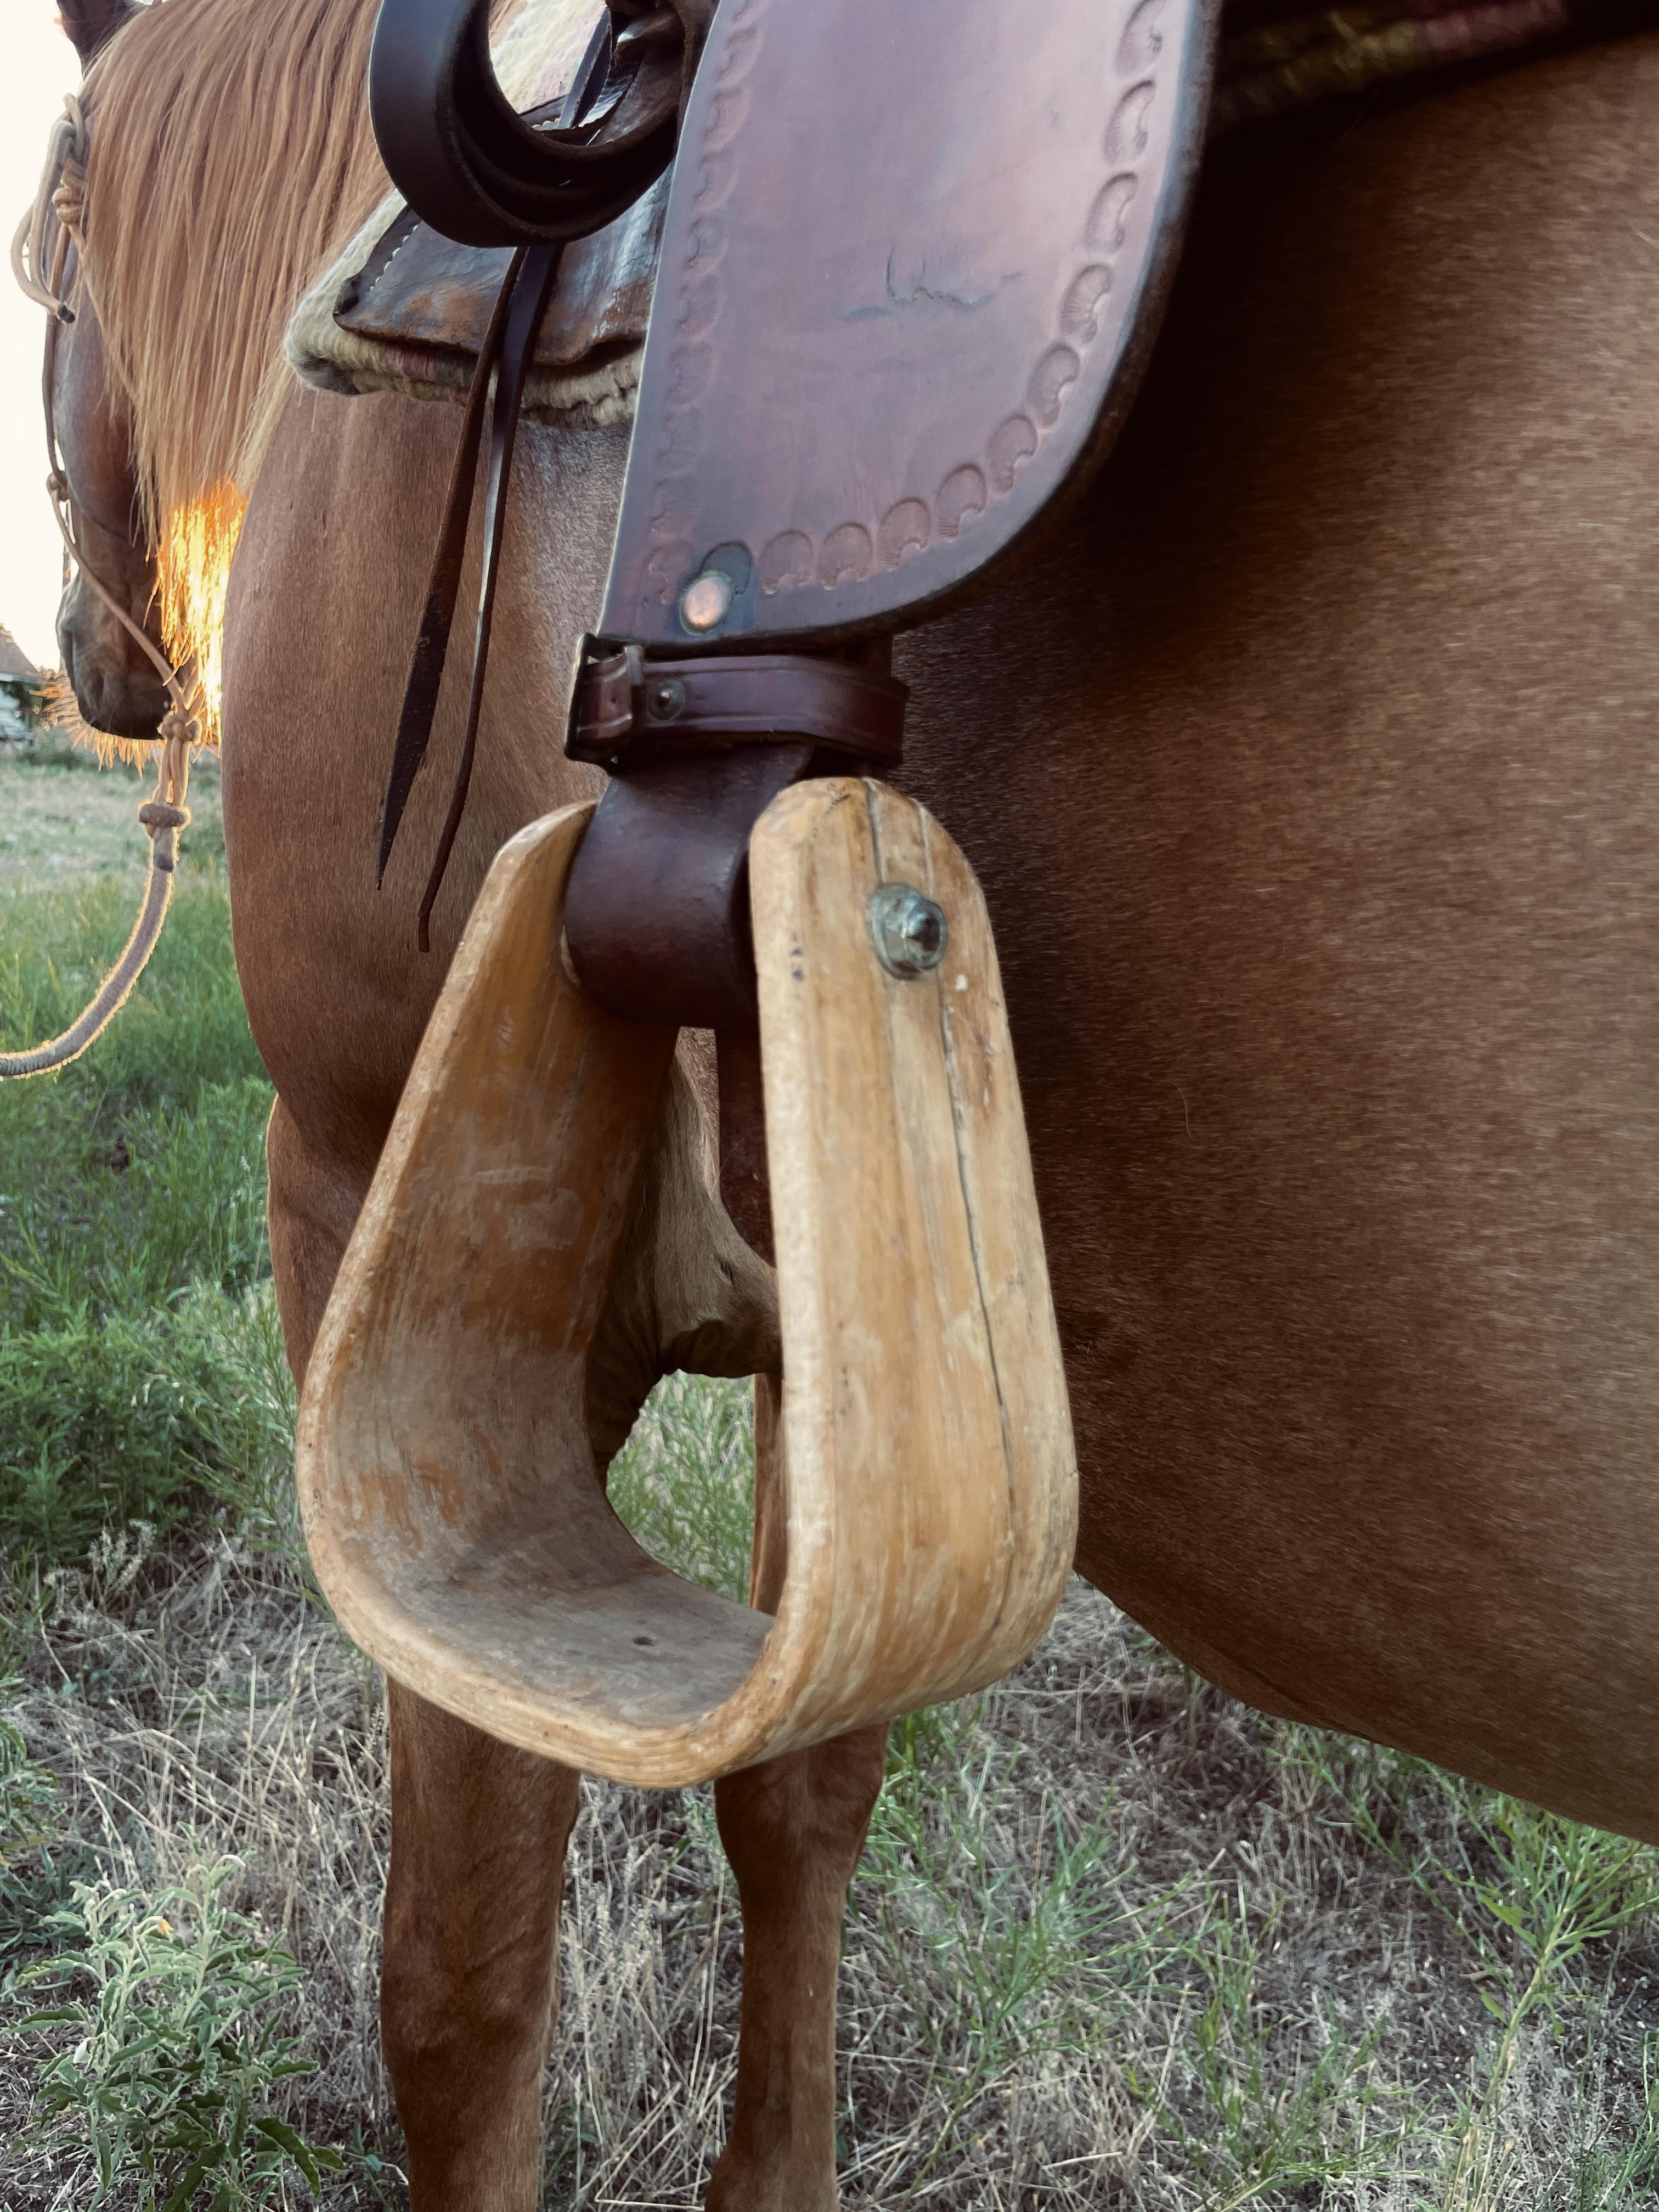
x: 1306, y: 771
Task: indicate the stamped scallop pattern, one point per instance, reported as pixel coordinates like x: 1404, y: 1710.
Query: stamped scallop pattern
x: 861, y: 546
x: 789, y: 560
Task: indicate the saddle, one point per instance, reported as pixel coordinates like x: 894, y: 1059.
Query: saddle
x: 907, y: 268
x: 405, y: 309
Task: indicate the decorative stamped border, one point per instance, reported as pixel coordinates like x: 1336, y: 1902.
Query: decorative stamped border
x: 862, y: 546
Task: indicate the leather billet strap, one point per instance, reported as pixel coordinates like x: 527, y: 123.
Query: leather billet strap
x: 657, y: 909
x: 477, y: 171
x: 625, y: 707
x: 656, y: 914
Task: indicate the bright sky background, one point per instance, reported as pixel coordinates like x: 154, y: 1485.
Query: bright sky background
x: 37, y: 66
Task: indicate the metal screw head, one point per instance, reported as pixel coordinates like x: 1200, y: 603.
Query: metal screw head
x: 665, y: 700
x: 706, y: 601
x: 909, y: 930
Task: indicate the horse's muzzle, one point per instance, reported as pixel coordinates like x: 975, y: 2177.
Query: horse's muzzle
x: 116, y: 688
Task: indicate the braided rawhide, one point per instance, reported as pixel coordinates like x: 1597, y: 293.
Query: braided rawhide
x: 163, y: 817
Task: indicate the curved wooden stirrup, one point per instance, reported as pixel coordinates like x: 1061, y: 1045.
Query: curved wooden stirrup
x: 451, y: 1500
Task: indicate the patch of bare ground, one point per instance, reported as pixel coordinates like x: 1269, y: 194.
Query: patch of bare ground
x: 1117, y: 1942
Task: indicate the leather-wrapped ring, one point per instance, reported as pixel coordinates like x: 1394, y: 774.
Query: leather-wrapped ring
x: 480, y: 172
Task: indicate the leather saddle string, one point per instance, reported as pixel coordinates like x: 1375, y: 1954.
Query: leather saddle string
x: 505, y: 354
x: 443, y: 586
x: 532, y: 283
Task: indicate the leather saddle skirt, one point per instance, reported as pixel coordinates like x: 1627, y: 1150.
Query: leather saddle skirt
x: 403, y: 309
x: 416, y: 314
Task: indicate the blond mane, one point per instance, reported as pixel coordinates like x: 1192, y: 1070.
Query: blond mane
x: 230, y: 156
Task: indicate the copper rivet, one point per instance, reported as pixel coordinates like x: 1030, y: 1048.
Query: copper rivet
x: 706, y: 601
x: 665, y: 702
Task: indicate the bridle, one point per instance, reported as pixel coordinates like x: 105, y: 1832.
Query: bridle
x: 59, y: 204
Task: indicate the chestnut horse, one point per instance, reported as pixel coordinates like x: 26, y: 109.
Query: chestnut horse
x: 1310, y: 777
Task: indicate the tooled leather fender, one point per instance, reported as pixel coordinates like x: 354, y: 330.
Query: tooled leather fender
x: 915, y: 259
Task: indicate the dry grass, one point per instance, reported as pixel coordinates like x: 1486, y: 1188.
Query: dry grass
x: 68, y: 820
x: 1116, y: 1940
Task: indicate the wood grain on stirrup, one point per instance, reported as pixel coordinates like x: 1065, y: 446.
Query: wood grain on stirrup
x: 449, y: 1491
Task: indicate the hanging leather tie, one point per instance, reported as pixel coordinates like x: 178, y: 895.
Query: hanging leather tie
x: 426, y: 669
x: 531, y: 281
x: 622, y: 111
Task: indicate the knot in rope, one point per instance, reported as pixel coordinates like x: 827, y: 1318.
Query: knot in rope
x: 165, y: 814
x: 69, y: 201
x: 62, y: 200
x: 157, y: 814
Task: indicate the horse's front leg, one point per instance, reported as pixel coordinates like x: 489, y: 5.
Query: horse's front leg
x: 793, y: 1830
x: 469, y: 1981
x: 478, y: 1833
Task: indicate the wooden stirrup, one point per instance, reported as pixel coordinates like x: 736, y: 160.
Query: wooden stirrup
x: 927, y: 1500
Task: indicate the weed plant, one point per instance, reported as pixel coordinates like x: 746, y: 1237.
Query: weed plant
x: 174, y: 2005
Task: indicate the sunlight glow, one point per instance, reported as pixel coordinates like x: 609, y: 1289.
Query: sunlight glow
x: 194, y: 573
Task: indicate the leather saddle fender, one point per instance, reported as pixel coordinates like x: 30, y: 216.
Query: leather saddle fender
x: 899, y: 318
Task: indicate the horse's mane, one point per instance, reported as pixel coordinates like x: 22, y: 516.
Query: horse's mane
x: 230, y: 156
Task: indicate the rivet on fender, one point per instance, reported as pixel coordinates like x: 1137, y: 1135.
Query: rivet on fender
x: 910, y: 932
x: 706, y: 602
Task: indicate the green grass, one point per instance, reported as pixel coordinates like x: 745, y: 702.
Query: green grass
x: 684, y: 1481
x: 66, y: 820
x: 175, y: 2003
x: 132, y: 1206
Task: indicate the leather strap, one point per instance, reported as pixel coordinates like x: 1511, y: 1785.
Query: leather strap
x: 506, y: 354
x: 625, y: 706
x: 531, y: 286
x: 656, y: 913
x: 426, y: 669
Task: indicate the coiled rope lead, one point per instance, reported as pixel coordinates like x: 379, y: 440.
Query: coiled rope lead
x: 164, y: 814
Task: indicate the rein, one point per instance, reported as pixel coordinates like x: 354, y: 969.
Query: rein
x: 164, y: 814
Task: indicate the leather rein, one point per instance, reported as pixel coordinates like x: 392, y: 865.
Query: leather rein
x: 164, y: 814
